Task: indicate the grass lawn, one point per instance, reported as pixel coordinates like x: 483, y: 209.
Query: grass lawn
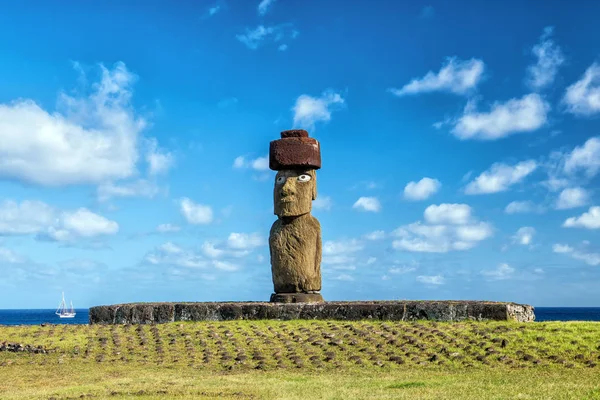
x: 304, y: 360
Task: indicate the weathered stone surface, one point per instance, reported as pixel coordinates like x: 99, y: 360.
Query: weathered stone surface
x: 149, y: 313
x: 294, y: 192
x: 295, y: 150
x: 295, y: 248
x: 297, y: 298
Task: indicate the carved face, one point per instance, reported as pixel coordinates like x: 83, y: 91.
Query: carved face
x: 294, y: 192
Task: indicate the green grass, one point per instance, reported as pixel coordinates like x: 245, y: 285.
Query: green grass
x: 305, y: 359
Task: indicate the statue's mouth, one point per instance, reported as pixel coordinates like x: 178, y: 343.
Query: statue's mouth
x: 286, y: 200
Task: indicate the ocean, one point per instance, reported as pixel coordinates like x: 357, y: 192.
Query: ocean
x: 37, y: 317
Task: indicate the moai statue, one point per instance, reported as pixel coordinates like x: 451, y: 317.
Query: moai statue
x: 295, y: 238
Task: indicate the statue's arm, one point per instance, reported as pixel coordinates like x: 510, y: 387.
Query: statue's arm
x: 319, y: 247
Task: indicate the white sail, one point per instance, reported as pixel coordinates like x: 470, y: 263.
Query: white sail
x: 62, y: 311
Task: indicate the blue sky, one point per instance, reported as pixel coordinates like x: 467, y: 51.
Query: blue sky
x: 460, y: 145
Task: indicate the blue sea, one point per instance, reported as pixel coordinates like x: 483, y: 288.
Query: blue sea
x: 37, y: 317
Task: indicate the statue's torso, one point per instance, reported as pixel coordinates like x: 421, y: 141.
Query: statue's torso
x: 296, y: 255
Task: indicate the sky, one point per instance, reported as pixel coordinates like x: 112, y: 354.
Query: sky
x: 460, y: 145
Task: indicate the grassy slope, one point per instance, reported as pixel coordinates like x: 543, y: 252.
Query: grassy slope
x: 305, y: 359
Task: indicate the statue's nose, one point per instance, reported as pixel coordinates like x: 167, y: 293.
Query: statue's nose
x: 288, y: 188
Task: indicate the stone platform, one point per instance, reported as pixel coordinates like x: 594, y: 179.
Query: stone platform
x: 153, y: 313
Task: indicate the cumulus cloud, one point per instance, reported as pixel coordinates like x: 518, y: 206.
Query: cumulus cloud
x: 504, y: 119
x: 572, y: 197
x: 341, y: 247
x: 456, y: 76
x: 448, y: 227
x: 500, y: 177
x: 421, y: 190
x: 309, y: 110
x: 524, y: 236
x: 520, y: 207
x: 367, y: 204
x: 264, y: 6
x: 588, y: 220
x: 258, y: 164
x: 36, y: 217
x: 589, y: 258
x: 197, y: 214
x: 245, y: 241
x: 323, y: 203
x: 549, y: 58
x: 159, y: 161
x: 583, y: 97
x: 91, y: 139
x: 167, y: 228
x: 503, y: 271
x: 448, y: 214
x: 584, y: 158
x: 375, y: 235
x: 254, y: 38
x: 138, y: 188
x: 431, y: 279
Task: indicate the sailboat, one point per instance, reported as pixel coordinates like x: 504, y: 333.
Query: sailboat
x: 62, y: 311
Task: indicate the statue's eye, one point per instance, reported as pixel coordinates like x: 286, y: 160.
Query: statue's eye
x: 280, y: 179
x: 304, y: 178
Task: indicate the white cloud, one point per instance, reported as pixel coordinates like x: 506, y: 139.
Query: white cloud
x: 549, y: 59
x: 158, y: 161
x: 504, y: 119
x: 583, y: 97
x: 245, y: 241
x: 449, y: 227
x: 138, y: 188
x: 36, y: 217
x: 431, y: 280
x: 264, y: 6
x: 239, y: 162
x: 447, y: 214
x: 572, y: 197
x: 7, y: 256
x: 586, y: 158
x: 371, y: 260
x: 500, y: 177
x: 210, y: 251
x: 503, y: 271
x: 519, y: 207
x: 213, y: 10
x: 196, y: 213
x: 323, y: 203
x: 367, y: 204
x: 258, y: 164
x: 592, y: 259
x: 83, y: 223
x: 421, y: 190
x: 165, y: 228
x: 589, y: 220
x: 344, y: 277
x: 455, y: 76
x: 90, y: 139
x: 308, y: 110
x: 524, y: 236
x: 254, y: 38
x: 261, y: 164
x: 27, y: 217
x: 341, y: 247
x: 561, y: 248
x: 375, y: 235
x: 401, y: 270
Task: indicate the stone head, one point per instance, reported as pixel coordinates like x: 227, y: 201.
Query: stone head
x: 295, y: 157
x: 295, y: 189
